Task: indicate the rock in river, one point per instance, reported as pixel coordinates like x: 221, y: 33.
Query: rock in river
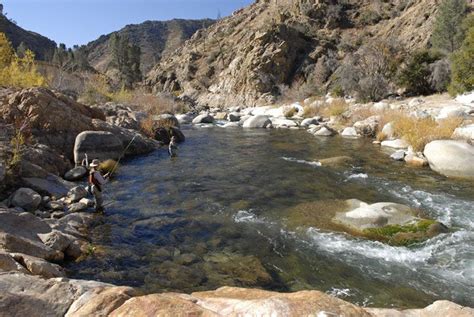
x: 451, y: 158
x: 76, y: 174
x: 259, y: 121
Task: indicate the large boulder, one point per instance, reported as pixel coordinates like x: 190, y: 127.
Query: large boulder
x: 97, y: 144
x: 27, y: 295
x: 185, y: 118
x: 26, y: 198
x: 134, y: 142
x: 464, y: 132
x: 20, y: 233
x: 451, y: 158
x: 453, y: 111
x: 166, y: 120
x: 368, y: 127
x: 54, y: 119
x: 50, y: 185
x: 259, y: 121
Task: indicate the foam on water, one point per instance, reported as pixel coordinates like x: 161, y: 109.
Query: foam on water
x: 292, y: 159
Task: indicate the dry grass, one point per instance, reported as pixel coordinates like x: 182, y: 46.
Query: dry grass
x: 419, y: 132
x: 147, y: 127
x: 108, y: 166
x: 311, y: 111
x: 290, y: 112
x: 336, y: 108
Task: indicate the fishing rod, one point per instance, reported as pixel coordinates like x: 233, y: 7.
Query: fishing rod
x: 122, y: 155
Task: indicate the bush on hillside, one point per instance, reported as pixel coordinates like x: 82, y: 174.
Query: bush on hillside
x: 419, y: 73
x: 16, y: 71
x: 463, y: 66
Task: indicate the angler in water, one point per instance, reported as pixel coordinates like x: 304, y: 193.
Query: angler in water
x: 173, y: 147
x: 97, y: 181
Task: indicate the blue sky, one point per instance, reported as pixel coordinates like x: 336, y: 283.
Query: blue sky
x: 81, y: 21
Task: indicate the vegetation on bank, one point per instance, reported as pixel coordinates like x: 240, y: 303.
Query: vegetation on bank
x: 18, y: 71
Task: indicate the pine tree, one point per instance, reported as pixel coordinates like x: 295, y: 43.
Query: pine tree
x: 463, y: 66
x: 126, y: 59
x: 448, y: 33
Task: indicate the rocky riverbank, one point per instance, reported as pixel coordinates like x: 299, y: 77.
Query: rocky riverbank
x: 45, y: 216
x: 435, y: 131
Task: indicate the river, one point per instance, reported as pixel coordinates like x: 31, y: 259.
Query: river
x: 220, y: 214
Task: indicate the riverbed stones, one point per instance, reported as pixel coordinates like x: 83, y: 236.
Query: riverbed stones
x: 325, y: 131
x: 26, y: 198
x: 336, y: 161
x: 77, y: 207
x: 50, y: 185
x: 203, y: 118
x: 259, y: 121
x: 184, y: 118
x: 76, y: 174
x: 97, y: 144
x: 398, y: 155
x: 77, y: 193
x: 451, y: 158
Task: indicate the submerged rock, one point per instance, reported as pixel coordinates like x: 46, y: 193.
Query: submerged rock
x: 336, y: 161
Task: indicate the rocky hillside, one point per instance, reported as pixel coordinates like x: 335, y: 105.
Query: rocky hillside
x: 155, y: 38
x: 40, y: 45
x: 247, y: 57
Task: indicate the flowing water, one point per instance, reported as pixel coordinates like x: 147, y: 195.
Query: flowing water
x: 221, y: 214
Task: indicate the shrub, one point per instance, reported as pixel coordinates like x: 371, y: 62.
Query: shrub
x: 311, y: 111
x: 463, y: 66
x: 336, y: 108
x: 108, y: 166
x: 415, y: 77
x: 16, y: 71
x: 419, y: 132
x: 290, y: 112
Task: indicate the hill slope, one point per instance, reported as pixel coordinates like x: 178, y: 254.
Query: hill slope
x: 40, y: 45
x: 155, y: 38
x: 245, y: 58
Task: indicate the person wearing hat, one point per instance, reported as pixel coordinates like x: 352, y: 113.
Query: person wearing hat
x: 173, y: 147
x: 96, y: 181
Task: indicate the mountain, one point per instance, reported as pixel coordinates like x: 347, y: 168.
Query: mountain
x: 40, y: 45
x: 246, y: 58
x: 155, y: 38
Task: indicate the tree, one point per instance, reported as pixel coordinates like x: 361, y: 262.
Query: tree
x: 448, y: 33
x: 463, y: 66
x: 126, y: 59
x: 21, y: 50
x: 416, y: 76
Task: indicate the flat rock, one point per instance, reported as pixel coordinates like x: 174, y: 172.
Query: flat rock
x: 396, y: 144
x: 451, y: 158
x: 37, y: 266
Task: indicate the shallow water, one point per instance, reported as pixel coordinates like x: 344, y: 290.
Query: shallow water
x: 221, y: 214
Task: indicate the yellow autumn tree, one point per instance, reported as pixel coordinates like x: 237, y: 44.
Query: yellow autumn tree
x: 16, y: 71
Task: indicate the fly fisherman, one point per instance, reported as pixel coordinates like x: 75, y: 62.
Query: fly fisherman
x: 173, y: 147
x: 96, y: 181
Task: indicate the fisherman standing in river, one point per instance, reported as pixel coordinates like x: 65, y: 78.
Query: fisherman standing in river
x: 96, y: 181
x: 173, y: 147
